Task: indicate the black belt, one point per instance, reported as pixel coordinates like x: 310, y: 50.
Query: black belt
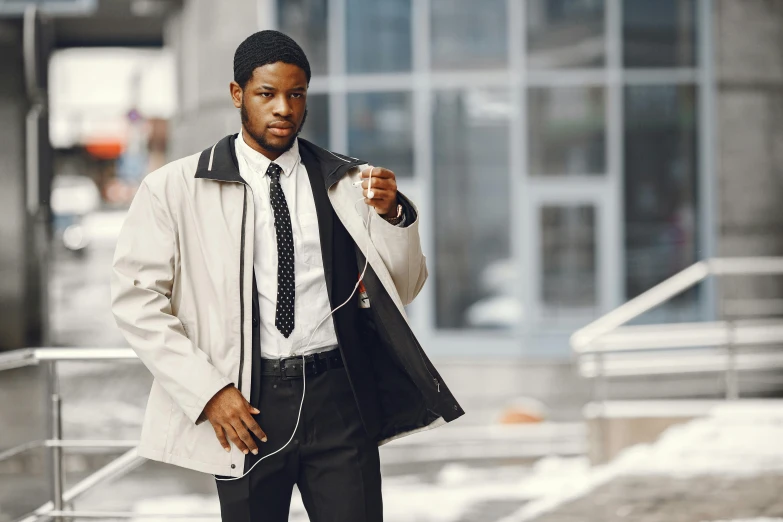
x: 291, y: 367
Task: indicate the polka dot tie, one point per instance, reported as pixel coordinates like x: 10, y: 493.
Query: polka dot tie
x: 284, y: 312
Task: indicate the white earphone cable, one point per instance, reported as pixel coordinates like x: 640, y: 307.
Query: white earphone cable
x: 304, y: 373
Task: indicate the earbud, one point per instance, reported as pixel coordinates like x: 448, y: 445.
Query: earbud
x: 370, y: 193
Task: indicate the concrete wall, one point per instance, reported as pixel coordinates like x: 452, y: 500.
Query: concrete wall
x: 13, y: 106
x: 23, y: 255
x: 204, y: 35
x: 749, y: 119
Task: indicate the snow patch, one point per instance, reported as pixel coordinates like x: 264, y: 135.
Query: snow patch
x: 735, y: 439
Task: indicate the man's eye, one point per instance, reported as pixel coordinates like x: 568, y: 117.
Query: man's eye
x: 266, y: 94
x: 297, y: 95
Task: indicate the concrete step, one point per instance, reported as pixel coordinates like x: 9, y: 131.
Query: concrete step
x: 525, y: 442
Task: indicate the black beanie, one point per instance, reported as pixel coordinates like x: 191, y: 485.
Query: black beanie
x: 265, y: 47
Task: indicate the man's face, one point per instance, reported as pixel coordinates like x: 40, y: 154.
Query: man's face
x: 273, y: 106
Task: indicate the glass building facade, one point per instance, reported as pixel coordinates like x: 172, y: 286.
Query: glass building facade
x: 558, y: 151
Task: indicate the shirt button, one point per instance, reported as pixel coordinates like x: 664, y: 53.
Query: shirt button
x: 233, y: 466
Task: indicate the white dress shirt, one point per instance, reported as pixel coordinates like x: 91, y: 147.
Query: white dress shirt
x: 311, y: 302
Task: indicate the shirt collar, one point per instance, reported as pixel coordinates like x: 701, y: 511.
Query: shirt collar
x: 260, y: 163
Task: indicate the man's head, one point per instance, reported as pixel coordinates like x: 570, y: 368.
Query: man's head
x: 271, y: 75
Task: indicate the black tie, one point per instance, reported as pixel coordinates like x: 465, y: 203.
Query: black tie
x: 284, y: 312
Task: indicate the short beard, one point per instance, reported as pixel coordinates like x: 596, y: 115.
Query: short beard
x: 259, y: 138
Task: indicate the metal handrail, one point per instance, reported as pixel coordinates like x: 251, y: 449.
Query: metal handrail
x: 608, y: 334
x: 50, y: 356
x: 712, y: 345
x: 582, y: 339
x: 659, y: 294
x: 116, y: 468
x: 688, y: 335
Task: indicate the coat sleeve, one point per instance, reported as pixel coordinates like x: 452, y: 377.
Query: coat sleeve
x: 400, y: 250
x: 141, y: 283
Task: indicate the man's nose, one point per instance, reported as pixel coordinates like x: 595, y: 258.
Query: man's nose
x: 283, y: 106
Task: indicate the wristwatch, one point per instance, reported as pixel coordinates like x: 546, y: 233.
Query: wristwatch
x: 396, y: 219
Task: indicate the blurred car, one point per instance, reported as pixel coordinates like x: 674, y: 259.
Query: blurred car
x: 74, y: 198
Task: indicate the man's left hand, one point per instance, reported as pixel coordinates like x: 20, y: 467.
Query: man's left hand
x: 384, y: 188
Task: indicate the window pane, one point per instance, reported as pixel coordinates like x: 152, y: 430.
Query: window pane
x: 659, y: 34
x: 661, y: 190
x: 305, y: 22
x: 565, y: 33
x: 465, y: 37
x: 474, y: 276
x: 379, y: 36
x: 568, y: 260
x: 566, y: 130
x: 316, y: 128
x: 380, y: 130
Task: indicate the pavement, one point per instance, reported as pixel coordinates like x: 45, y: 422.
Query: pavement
x: 666, y: 499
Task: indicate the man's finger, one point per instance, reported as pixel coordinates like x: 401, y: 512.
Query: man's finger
x: 378, y: 194
x: 222, y: 438
x: 234, y: 437
x: 253, y: 426
x: 385, y: 183
x: 377, y: 172
x: 243, y: 434
x: 376, y: 205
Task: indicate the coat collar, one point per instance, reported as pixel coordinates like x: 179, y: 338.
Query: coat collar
x: 219, y: 162
x: 259, y: 163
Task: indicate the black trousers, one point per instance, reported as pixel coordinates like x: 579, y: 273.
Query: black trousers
x: 331, y: 459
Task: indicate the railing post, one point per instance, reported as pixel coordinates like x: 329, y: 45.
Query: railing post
x: 730, y: 378
x: 732, y: 384
x: 599, y: 397
x: 56, y: 429
x: 600, y: 382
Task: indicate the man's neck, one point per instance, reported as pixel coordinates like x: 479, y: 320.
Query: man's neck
x: 253, y: 144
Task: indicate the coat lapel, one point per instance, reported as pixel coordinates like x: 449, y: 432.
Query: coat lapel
x: 336, y: 198
x: 343, y: 198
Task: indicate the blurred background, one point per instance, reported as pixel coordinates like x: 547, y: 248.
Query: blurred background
x: 599, y: 183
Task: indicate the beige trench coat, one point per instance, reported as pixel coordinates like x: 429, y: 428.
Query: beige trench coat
x: 174, y: 295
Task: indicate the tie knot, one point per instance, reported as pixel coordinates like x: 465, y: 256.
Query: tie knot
x: 274, y: 171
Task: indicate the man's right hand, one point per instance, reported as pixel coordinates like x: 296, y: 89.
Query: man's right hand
x: 229, y: 412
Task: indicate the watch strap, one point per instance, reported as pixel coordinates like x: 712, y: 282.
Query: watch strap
x: 396, y: 219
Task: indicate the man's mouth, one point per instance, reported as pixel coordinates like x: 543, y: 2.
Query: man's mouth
x: 281, y: 129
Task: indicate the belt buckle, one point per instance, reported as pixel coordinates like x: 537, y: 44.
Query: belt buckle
x: 288, y: 371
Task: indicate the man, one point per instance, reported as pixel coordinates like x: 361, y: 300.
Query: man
x: 228, y: 261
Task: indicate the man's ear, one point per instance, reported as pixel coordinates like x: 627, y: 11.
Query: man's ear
x: 236, y: 94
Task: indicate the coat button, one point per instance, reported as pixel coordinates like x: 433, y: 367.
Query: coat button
x: 233, y: 466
